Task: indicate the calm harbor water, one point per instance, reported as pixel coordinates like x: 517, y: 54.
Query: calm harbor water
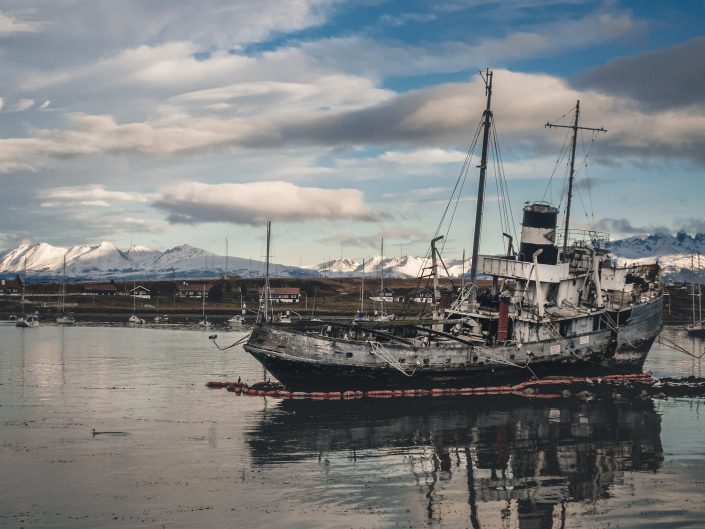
x: 172, y: 453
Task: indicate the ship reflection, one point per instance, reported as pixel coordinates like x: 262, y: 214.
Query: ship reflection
x: 535, y: 456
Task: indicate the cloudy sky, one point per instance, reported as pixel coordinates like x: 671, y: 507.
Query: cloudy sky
x: 165, y: 122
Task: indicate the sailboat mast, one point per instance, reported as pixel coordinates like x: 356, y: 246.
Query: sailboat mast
x: 362, y: 289
x: 483, y: 171
x: 266, y: 276
x: 63, y: 289
x: 692, y: 284
x: 700, y: 294
x: 381, y: 276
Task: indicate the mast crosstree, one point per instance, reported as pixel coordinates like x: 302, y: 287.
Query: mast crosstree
x: 575, y: 127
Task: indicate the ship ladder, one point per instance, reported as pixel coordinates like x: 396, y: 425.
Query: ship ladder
x: 379, y: 351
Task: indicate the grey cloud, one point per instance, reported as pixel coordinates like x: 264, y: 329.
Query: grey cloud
x: 588, y: 183
x: 673, y: 77
x: 693, y: 225
x: 625, y: 227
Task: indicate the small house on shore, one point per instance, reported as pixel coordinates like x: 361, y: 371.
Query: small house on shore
x: 140, y: 292
x: 193, y: 289
x: 99, y: 289
x: 10, y: 287
x: 282, y: 295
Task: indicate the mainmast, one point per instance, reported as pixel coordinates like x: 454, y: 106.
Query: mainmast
x: 571, y: 178
x: 266, y: 276
x: 483, y: 171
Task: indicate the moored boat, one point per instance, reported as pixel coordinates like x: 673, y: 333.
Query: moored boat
x: 28, y: 320
x: 550, y: 309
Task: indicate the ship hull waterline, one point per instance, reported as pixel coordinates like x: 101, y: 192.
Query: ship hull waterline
x: 609, y: 353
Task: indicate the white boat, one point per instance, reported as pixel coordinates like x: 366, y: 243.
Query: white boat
x: 66, y: 318
x: 161, y: 319
x: 29, y: 320
x: 63, y: 317
x: 135, y: 319
x: 204, y: 322
x: 696, y: 327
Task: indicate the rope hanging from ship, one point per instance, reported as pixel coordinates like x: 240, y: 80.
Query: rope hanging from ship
x: 214, y: 337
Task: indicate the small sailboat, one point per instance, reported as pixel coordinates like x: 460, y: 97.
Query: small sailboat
x: 135, y: 318
x: 239, y: 319
x: 63, y: 317
x: 696, y: 327
x: 160, y: 318
x: 204, y: 322
x: 26, y: 320
x: 29, y: 320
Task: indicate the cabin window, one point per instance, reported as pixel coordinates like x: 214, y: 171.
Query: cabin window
x: 402, y: 360
x: 426, y: 362
x: 348, y: 355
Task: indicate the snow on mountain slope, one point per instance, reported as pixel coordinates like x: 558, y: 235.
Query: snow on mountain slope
x: 659, y: 244
x: 106, y: 261
x: 677, y: 255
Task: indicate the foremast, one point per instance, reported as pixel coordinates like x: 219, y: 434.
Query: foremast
x: 487, y: 120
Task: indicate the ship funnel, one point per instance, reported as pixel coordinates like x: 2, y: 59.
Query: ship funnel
x: 538, y: 232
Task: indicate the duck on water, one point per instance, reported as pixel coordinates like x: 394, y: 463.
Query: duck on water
x: 552, y: 309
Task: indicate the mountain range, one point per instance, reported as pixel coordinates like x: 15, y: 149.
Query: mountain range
x: 676, y: 253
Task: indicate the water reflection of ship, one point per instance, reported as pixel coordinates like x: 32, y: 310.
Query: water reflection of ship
x: 535, y: 456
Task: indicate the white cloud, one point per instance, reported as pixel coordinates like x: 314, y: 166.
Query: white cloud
x: 254, y: 202
x: 93, y: 195
x: 10, y: 25
x: 424, y: 156
x: 22, y: 105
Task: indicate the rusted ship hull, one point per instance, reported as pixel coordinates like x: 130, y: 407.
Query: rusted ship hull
x: 311, y: 362
x: 636, y: 336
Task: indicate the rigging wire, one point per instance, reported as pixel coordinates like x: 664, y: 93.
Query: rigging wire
x: 506, y: 214
x: 561, y: 155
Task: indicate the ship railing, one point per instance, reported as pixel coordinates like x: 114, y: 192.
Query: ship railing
x: 596, y: 239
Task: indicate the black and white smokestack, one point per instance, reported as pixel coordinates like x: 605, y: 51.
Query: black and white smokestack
x: 539, y: 232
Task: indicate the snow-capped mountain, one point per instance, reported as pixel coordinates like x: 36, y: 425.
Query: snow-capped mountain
x: 677, y: 254
x: 392, y: 267
x: 659, y: 244
x: 106, y: 261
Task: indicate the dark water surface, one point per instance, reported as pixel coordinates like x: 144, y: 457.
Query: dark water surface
x: 175, y: 454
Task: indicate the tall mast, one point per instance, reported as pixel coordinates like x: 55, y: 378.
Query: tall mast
x: 266, y: 276
x: 362, y: 290
x: 692, y: 284
x: 571, y: 178
x: 381, y: 277
x: 483, y: 171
